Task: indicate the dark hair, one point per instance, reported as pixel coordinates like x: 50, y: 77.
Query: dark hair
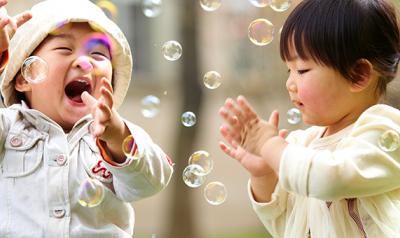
x: 338, y: 33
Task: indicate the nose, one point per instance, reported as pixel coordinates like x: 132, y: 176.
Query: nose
x: 84, y: 63
x: 291, y: 84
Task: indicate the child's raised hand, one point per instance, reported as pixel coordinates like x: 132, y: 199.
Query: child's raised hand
x: 256, y: 165
x: 244, y: 127
x: 101, y: 109
x: 8, y: 25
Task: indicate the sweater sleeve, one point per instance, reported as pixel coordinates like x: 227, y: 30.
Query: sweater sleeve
x: 144, y: 176
x: 358, y: 166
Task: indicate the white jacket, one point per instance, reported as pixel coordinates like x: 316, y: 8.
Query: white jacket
x: 340, y: 186
x: 42, y: 169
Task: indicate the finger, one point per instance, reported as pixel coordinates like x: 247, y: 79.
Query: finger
x: 245, y: 106
x: 88, y: 99
x: 104, y: 115
x: 22, y: 18
x: 227, y: 150
x: 274, y: 118
x: 107, y: 83
x: 231, y: 120
x: 283, y: 133
x: 230, y: 106
x: 3, y: 3
x: 96, y: 129
x: 106, y: 97
x: 228, y: 135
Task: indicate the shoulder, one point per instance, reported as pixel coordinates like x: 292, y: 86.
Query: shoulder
x: 379, y: 115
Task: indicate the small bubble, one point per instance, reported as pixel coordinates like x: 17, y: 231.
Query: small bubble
x: 215, y: 193
x: 108, y: 8
x: 260, y: 3
x: 212, y: 79
x: 389, y: 141
x: 261, y: 32
x: 188, y: 119
x: 151, y: 8
x: 210, y: 5
x: 172, y: 50
x: 91, y: 193
x: 280, y: 5
x: 150, y: 106
x: 130, y: 149
x: 34, y: 69
x: 293, y: 116
x: 193, y: 175
x: 203, y: 159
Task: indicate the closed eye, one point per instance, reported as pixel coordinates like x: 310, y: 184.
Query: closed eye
x: 302, y: 71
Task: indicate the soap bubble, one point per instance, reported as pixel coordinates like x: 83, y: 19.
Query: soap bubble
x: 188, y: 119
x: 215, y: 193
x: 293, y: 116
x: 212, y: 79
x: 203, y: 159
x: 210, y: 5
x: 280, y: 5
x: 172, y: 50
x: 91, y: 193
x: 260, y: 3
x: 34, y: 69
x: 261, y: 32
x: 389, y: 141
x: 193, y: 175
x: 151, y: 8
x: 150, y: 106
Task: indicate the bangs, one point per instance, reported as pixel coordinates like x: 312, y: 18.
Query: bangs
x: 321, y: 30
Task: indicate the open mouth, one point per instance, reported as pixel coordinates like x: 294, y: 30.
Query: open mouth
x: 74, y: 90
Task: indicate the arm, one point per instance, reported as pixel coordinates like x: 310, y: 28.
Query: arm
x: 357, y: 168
x: 133, y: 178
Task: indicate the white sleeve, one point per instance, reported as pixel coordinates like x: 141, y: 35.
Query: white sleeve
x: 272, y: 214
x: 358, y: 167
x: 136, y: 179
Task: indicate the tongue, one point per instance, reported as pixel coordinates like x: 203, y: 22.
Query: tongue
x: 76, y: 98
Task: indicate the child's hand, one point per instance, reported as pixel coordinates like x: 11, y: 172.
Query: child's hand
x: 8, y: 25
x: 257, y: 166
x: 244, y: 127
x: 103, y: 114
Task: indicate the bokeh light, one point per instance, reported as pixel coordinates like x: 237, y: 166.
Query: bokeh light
x: 150, y: 106
x: 151, y: 8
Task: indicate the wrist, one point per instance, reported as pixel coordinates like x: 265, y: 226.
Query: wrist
x: 272, y: 150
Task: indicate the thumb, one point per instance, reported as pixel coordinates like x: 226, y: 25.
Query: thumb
x: 88, y: 99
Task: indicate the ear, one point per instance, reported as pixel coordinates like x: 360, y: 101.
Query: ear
x: 21, y: 85
x: 362, y: 73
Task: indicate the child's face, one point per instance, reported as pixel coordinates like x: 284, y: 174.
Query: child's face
x: 323, y: 95
x: 74, y: 66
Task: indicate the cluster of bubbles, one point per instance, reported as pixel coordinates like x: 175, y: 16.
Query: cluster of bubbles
x: 194, y: 175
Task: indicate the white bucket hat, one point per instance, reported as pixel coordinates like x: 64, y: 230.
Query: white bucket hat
x: 49, y: 14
